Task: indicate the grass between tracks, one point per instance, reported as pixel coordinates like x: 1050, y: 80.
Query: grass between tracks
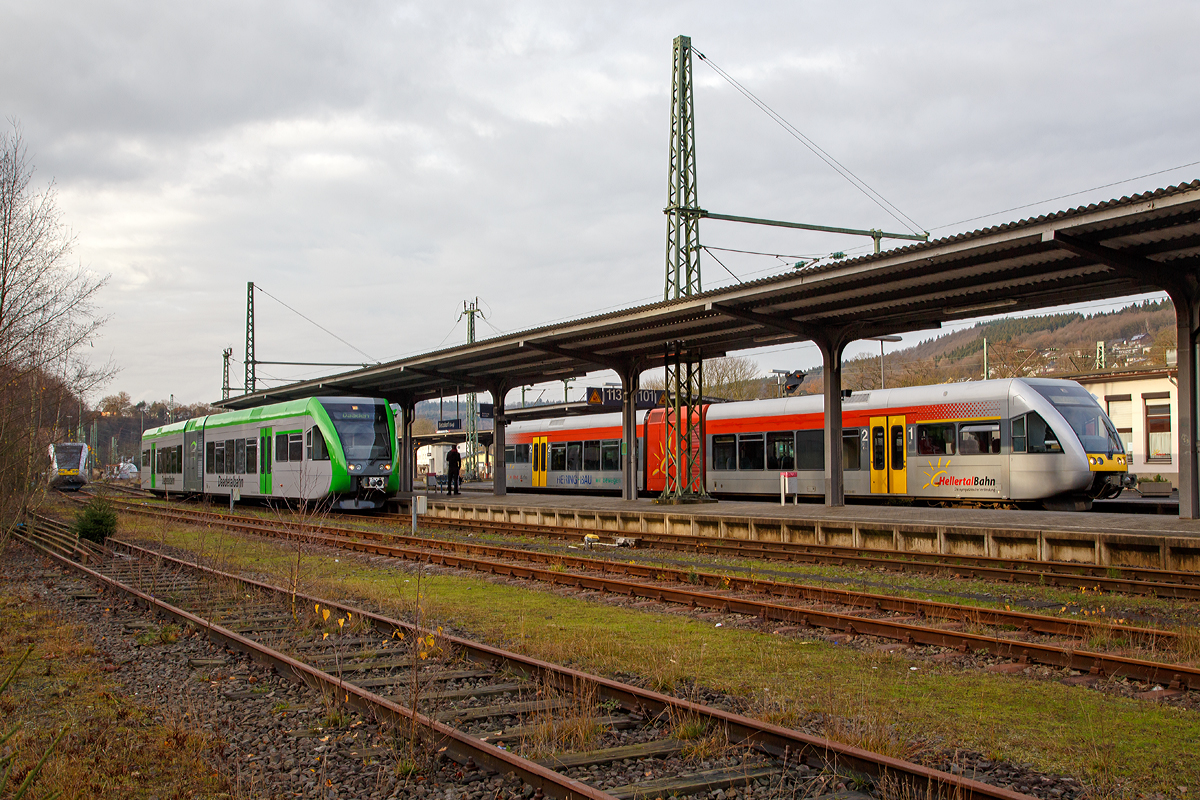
x: 1121, y: 747
x: 112, y: 746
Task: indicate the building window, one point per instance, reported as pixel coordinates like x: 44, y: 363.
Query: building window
x: 1120, y: 411
x: 1158, y: 432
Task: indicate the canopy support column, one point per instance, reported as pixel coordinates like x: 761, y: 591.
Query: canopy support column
x: 406, y: 457
x: 630, y: 374
x: 1187, y: 320
x: 499, y: 469
x: 832, y: 345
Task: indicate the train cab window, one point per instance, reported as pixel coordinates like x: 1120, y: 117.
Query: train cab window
x: 239, y: 458
x: 219, y: 458
x: 295, y: 448
x: 851, y: 450
x: 781, y: 451
x: 314, y: 445
x: 724, y: 451
x: 281, y: 448
x: 979, y: 438
x: 1017, y: 427
x: 574, y: 456
x: 610, y: 455
x: 558, y: 456
x: 810, y: 450
x: 251, y: 456
x: 935, y: 440
x: 1042, y: 438
x: 750, y: 451
x: 591, y: 455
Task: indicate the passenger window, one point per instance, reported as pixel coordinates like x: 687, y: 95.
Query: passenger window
x: 810, y: 450
x: 510, y: 454
x: 936, y: 440
x: 521, y: 454
x: 295, y: 448
x: 591, y: 456
x: 558, y: 456
x: 750, y: 451
x: 240, y: 457
x: 851, y: 451
x: 980, y: 438
x: 574, y: 456
x: 281, y: 448
x: 146, y: 459
x: 251, y: 456
x: 724, y: 454
x: 610, y: 455
x: 781, y: 451
x: 220, y: 457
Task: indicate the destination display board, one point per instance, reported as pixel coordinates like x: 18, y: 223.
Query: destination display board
x: 613, y: 397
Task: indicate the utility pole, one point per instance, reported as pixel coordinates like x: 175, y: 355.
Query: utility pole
x: 1099, y: 355
x: 227, y: 354
x: 684, y: 363
x: 469, y: 311
x: 249, y: 386
x: 985, y: 364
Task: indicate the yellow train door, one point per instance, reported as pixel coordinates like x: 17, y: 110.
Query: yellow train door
x: 538, y: 456
x: 889, y: 473
x: 897, y: 463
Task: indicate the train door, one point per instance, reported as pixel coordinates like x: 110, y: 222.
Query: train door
x: 538, y: 456
x: 193, y: 461
x: 264, y: 460
x: 889, y: 472
x: 153, y: 465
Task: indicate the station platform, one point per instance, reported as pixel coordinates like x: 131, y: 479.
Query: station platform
x: 1142, y: 540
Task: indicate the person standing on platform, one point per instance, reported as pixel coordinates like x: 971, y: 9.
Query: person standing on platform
x: 453, y: 464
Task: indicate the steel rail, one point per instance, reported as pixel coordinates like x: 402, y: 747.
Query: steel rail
x: 773, y: 739
x: 1173, y: 675
x: 1162, y: 583
x: 980, y: 615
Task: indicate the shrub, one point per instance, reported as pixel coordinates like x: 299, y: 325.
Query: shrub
x: 96, y: 521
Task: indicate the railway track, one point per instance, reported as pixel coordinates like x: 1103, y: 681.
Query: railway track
x: 855, y: 613
x: 1126, y: 580
x: 477, y: 704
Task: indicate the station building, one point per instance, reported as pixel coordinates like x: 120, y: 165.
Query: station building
x: 1143, y: 403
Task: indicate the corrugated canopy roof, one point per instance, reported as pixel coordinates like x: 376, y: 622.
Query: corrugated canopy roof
x: 1107, y: 250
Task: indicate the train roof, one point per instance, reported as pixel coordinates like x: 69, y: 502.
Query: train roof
x: 289, y: 408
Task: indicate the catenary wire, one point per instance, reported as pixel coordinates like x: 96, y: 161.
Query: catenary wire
x: 319, y: 325
x: 890, y: 208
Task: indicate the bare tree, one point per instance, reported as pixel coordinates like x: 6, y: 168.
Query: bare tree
x: 47, y: 315
x: 730, y: 378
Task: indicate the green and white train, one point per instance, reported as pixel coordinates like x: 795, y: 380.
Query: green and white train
x: 334, y: 450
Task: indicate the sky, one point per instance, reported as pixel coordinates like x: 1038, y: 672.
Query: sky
x: 374, y: 165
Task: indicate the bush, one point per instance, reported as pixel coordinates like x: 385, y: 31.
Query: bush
x: 97, y: 521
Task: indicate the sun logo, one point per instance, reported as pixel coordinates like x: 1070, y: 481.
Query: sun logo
x: 934, y: 475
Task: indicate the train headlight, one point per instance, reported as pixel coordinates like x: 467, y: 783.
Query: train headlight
x: 354, y: 467
x: 387, y: 467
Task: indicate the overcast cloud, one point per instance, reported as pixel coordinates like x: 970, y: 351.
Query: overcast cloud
x: 374, y: 165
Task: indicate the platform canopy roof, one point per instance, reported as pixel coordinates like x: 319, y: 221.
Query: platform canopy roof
x: 1107, y: 250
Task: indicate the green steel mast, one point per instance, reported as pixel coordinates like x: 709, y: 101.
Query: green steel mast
x: 684, y: 364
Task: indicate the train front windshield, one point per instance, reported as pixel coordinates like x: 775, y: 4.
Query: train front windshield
x: 363, y: 430
x: 67, y: 456
x: 1081, y: 411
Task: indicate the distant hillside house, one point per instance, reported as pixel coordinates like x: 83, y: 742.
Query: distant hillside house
x: 1143, y: 404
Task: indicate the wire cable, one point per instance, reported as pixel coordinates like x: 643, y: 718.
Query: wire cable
x: 890, y: 208
x: 722, y: 263
x: 319, y: 325
x: 1065, y: 196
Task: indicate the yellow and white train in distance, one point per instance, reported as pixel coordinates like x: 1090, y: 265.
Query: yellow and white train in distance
x: 68, y: 466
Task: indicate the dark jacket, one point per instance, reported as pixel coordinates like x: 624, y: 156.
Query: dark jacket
x: 453, y: 462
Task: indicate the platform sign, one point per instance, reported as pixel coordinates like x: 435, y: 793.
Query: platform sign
x: 449, y: 425
x: 613, y: 397
x: 486, y: 410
